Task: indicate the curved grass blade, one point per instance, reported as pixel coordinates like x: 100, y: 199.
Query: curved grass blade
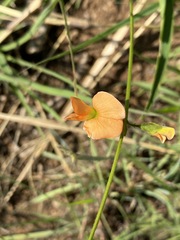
x: 33, y: 29
x: 149, y: 10
x: 27, y: 85
x: 9, y: 71
x: 39, y: 234
x: 46, y: 71
x: 166, y: 8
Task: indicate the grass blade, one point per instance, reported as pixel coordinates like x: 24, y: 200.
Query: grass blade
x: 32, y: 31
x: 166, y: 8
x: 149, y: 10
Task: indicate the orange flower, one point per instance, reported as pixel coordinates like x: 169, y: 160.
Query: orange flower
x: 103, y: 120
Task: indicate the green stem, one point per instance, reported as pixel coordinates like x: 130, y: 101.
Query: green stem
x: 106, y: 192
x: 130, y: 61
x: 118, y: 150
x: 70, y: 46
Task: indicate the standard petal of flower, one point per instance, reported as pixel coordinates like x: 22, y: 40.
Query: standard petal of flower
x: 99, y: 128
x: 108, y: 106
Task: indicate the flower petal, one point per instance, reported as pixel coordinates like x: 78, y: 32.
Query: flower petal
x: 98, y: 128
x: 80, y: 107
x: 162, y: 138
x: 82, y: 111
x: 108, y: 106
x: 169, y: 132
x: 76, y: 117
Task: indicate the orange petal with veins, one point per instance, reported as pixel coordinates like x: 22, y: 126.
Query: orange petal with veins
x: 108, y: 106
x: 98, y: 128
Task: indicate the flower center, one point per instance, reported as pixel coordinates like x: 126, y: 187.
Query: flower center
x: 92, y: 114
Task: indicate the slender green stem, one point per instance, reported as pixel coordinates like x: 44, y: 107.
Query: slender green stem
x: 70, y: 46
x: 118, y: 150
x: 130, y: 61
x: 106, y: 192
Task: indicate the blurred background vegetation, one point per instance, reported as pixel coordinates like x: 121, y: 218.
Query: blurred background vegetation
x: 52, y: 176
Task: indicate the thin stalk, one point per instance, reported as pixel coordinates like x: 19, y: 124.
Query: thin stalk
x: 130, y: 62
x: 118, y: 150
x: 106, y: 191
x: 70, y: 46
